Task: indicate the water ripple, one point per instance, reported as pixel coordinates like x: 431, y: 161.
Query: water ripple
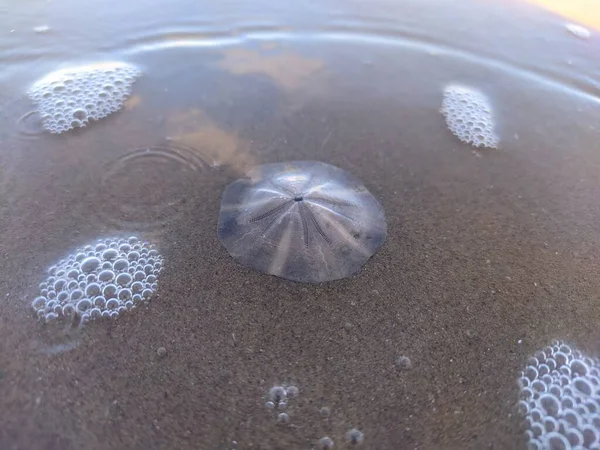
x: 585, y: 86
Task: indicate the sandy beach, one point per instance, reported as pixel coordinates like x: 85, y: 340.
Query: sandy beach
x: 490, y: 255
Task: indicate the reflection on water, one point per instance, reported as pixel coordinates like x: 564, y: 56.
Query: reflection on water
x: 586, y: 12
x: 132, y: 102
x: 486, y: 258
x: 300, y: 77
x: 195, y: 129
x: 286, y: 69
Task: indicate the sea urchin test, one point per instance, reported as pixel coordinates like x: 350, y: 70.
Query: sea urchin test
x: 304, y: 221
x: 101, y: 280
x: 560, y: 399
x: 469, y: 116
x: 70, y: 98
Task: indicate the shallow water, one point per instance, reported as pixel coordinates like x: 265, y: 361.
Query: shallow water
x: 490, y: 254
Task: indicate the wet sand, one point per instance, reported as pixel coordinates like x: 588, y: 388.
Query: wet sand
x: 489, y: 256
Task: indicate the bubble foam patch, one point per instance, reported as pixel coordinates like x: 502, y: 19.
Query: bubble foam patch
x: 560, y: 399
x: 70, y: 98
x: 578, y: 31
x: 469, y: 116
x: 101, y: 280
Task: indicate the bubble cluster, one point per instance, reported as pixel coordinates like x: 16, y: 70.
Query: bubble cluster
x: 469, y: 117
x: 101, y: 280
x: 278, y: 397
x: 70, y: 98
x: 578, y: 31
x: 560, y: 399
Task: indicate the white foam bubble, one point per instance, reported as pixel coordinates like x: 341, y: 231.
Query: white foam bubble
x: 283, y: 418
x: 325, y: 412
x: 469, y: 116
x: 404, y: 362
x: 41, y: 29
x: 563, y: 415
x: 278, y: 395
x: 325, y: 443
x: 292, y: 391
x: 101, y: 291
x: 66, y: 98
x: 578, y: 31
x: 355, y: 436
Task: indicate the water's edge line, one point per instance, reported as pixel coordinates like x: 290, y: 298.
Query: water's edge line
x: 417, y: 43
x: 181, y: 39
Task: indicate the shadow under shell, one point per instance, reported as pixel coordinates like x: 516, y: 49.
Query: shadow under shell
x: 304, y: 221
